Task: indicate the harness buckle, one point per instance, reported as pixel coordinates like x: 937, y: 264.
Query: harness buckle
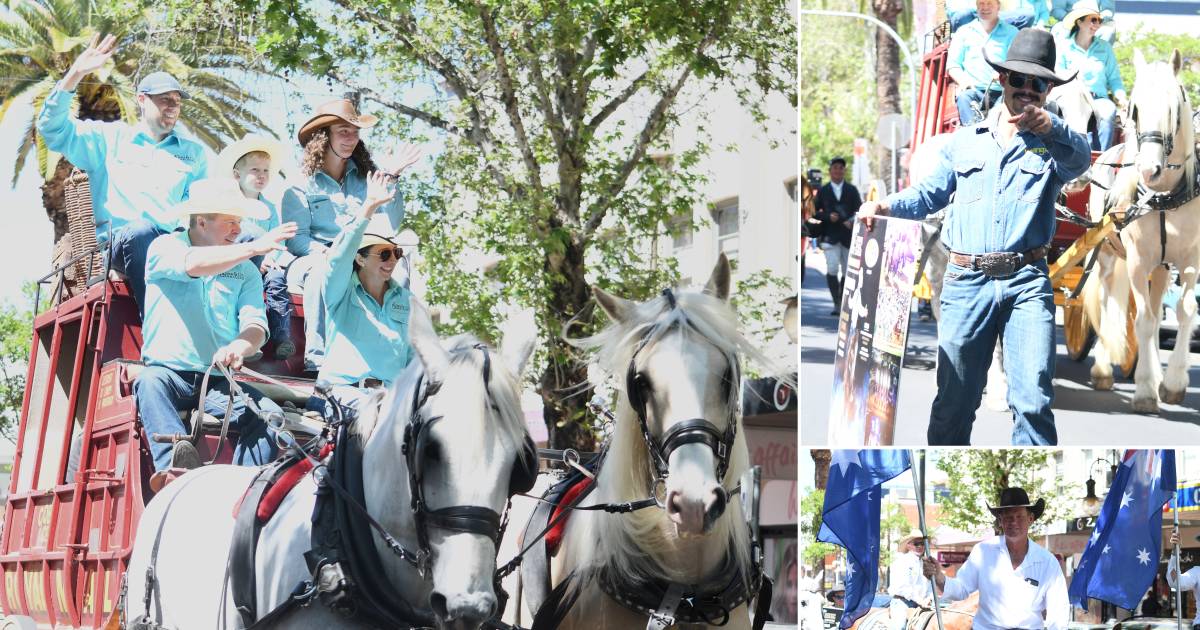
x: 722, y: 450
x: 331, y: 580
x: 660, y: 499
x: 422, y: 562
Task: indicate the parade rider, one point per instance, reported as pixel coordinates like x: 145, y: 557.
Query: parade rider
x: 1093, y: 58
x: 1004, y: 176
x: 335, y: 162
x: 137, y: 172
x: 367, y: 310
x: 204, y: 305
x: 908, y: 587
x: 986, y: 36
x: 1189, y: 581
x: 1020, y: 584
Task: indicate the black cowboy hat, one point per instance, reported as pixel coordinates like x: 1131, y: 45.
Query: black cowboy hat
x: 1032, y: 52
x: 1016, y: 497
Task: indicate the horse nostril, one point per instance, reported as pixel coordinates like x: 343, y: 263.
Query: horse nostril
x: 437, y: 602
x: 715, y: 506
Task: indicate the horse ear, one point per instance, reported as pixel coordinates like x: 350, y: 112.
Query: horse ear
x: 1176, y: 61
x: 618, y: 309
x: 718, y: 282
x: 425, y: 341
x: 1139, y: 59
x: 520, y: 334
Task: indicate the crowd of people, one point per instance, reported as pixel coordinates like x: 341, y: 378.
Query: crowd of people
x: 200, y: 245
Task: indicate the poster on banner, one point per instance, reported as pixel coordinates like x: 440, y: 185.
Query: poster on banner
x: 873, y: 332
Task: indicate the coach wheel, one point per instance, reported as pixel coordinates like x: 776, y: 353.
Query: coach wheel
x: 1080, y: 335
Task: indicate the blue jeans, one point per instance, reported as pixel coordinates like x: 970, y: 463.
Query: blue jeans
x: 974, y: 95
x: 1020, y: 18
x: 350, y: 397
x: 162, y: 392
x: 1106, y: 123
x: 128, y: 256
x: 278, y: 300
x: 976, y: 311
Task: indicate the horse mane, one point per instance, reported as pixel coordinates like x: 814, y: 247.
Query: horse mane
x: 639, y: 542
x: 1157, y: 77
x: 466, y: 371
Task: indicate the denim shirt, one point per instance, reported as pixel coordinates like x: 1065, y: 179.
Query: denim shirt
x: 324, y: 207
x: 188, y: 318
x: 969, y: 44
x: 364, y: 339
x: 132, y: 177
x: 1097, y: 66
x: 1003, y: 196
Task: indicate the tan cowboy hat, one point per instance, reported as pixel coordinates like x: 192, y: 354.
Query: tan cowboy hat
x: 250, y: 143
x: 331, y: 112
x: 220, y: 195
x: 1016, y: 497
x: 1081, y: 9
x: 913, y: 535
x: 380, y: 231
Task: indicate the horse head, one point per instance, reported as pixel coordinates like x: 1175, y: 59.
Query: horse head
x: 1161, y: 118
x: 453, y: 423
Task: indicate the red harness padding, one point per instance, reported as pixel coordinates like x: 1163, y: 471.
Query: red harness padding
x: 282, y: 486
x: 554, y: 536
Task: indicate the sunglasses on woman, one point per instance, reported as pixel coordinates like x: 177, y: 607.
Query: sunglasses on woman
x: 388, y: 254
x: 1037, y: 84
x: 1095, y: 19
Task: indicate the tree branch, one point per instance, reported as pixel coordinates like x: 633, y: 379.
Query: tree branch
x: 615, y: 103
x: 432, y: 119
x: 554, y: 120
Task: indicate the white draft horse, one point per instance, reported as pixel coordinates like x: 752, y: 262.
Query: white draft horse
x: 463, y: 402
x: 1161, y: 192
x: 677, y: 356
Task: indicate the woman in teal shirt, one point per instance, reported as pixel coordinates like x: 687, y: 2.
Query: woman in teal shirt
x: 367, y: 311
x: 1097, y: 65
x: 336, y: 163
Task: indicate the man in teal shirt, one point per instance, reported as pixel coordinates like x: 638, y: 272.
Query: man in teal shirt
x: 204, y: 304
x: 977, y: 89
x: 137, y: 172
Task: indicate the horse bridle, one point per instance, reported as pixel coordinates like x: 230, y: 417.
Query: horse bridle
x: 1167, y: 140
x: 690, y: 431
x: 470, y: 519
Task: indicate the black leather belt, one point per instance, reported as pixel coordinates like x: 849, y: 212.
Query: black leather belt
x: 999, y: 263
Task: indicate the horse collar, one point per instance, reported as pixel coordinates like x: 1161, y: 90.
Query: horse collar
x: 709, y: 602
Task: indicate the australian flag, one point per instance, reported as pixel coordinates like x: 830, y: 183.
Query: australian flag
x: 1121, y: 558
x: 850, y: 518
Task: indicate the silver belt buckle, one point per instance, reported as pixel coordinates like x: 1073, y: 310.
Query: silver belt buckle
x: 999, y: 263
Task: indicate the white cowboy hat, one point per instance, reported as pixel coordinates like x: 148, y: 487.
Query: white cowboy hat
x: 249, y: 143
x: 220, y: 195
x: 380, y: 231
x: 913, y: 535
x: 1081, y: 8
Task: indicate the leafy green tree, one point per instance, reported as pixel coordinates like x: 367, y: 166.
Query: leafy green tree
x: 812, y: 552
x: 39, y: 40
x: 16, y: 331
x: 975, y: 478
x: 557, y: 120
x: 1158, y: 47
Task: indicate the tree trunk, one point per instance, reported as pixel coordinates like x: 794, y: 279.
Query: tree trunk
x: 887, y: 83
x: 821, y: 457
x: 564, y: 403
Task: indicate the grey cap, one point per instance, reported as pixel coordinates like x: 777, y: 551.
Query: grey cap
x: 159, y: 83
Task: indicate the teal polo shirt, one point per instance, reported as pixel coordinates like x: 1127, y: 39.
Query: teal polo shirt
x: 188, y: 319
x: 363, y: 338
x: 1097, y: 66
x: 968, y: 45
x: 132, y: 177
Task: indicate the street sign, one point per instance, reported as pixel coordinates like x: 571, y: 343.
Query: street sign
x: 893, y: 131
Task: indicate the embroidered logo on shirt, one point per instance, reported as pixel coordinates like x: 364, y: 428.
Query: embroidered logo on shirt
x: 1036, y: 150
x: 233, y: 274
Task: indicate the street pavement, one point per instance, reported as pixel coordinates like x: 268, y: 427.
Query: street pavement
x: 1083, y: 416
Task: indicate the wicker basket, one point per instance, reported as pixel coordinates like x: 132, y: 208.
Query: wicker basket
x: 81, y: 225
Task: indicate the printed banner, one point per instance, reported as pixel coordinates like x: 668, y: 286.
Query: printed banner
x: 873, y: 332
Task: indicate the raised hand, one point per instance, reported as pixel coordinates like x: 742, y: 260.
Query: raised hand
x: 98, y: 52
x: 401, y: 158
x: 378, y: 193
x: 274, y: 239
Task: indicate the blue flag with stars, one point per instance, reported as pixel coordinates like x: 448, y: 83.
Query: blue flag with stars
x: 1121, y: 557
x: 850, y: 518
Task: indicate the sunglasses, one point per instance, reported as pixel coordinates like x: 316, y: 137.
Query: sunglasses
x: 1037, y: 84
x: 388, y: 254
x: 1095, y: 19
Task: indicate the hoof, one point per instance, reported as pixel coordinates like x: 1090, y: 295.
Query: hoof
x: 1170, y: 397
x: 1145, y: 405
x: 1102, y: 383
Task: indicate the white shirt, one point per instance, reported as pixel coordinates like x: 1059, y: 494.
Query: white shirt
x: 837, y: 189
x: 906, y: 578
x: 1189, y: 581
x: 1012, y: 598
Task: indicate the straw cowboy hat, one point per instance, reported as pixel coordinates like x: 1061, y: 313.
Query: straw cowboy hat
x: 1031, y: 52
x: 341, y: 110
x: 220, y: 195
x: 1081, y: 9
x: 913, y: 535
x: 1016, y: 497
x: 380, y: 231
x: 249, y: 143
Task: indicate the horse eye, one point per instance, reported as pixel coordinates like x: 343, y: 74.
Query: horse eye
x: 642, y: 383
x: 433, y: 452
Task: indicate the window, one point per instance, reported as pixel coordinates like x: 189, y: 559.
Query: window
x: 680, y: 229
x: 728, y: 224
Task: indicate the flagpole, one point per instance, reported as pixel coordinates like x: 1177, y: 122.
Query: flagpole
x: 1178, y: 569
x: 919, y: 493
